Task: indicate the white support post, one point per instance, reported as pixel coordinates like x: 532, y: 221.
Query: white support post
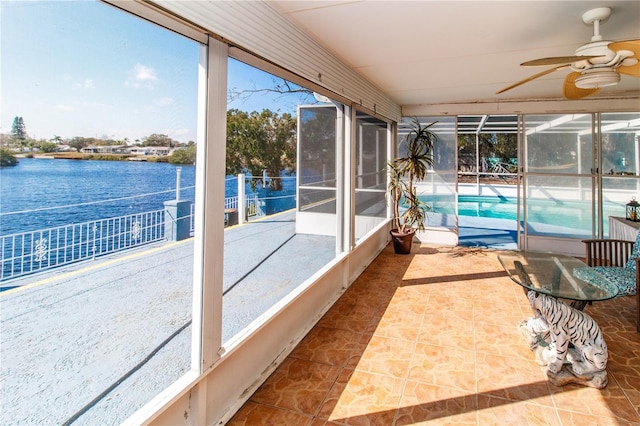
x: 242, y: 201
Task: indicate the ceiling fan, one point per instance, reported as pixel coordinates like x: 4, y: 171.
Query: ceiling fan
x: 596, y: 64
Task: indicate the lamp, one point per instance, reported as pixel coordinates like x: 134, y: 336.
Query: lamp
x: 633, y: 210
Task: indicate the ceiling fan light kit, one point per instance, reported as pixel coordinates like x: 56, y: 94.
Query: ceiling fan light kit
x: 596, y: 64
x: 597, y: 78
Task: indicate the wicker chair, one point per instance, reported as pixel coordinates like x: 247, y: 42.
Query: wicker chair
x: 619, y: 261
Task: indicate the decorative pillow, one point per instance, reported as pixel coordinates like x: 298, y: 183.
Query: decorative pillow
x: 635, y: 252
x: 623, y: 278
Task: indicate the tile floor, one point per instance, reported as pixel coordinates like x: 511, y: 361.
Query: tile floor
x: 431, y: 338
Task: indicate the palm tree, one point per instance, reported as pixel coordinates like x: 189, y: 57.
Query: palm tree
x: 419, y: 144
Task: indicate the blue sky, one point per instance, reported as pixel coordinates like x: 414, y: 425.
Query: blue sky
x: 83, y: 68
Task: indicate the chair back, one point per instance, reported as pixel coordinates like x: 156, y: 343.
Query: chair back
x: 635, y: 253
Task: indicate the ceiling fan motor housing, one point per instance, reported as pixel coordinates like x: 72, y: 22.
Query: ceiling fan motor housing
x: 596, y: 48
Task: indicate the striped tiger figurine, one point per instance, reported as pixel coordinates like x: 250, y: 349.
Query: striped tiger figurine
x: 570, y: 326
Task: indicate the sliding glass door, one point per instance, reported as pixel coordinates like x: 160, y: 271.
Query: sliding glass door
x: 579, y: 170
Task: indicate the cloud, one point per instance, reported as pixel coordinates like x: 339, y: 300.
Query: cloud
x: 181, y: 133
x: 86, y: 84
x: 141, y: 76
x: 63, y: 107
x: 164, y: 102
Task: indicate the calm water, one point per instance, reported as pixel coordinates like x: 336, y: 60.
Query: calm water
x: 37, y: 184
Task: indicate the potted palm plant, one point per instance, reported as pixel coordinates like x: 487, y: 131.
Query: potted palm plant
x: 409, y: 212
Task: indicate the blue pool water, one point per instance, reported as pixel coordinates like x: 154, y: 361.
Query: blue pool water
x: 491, y: 221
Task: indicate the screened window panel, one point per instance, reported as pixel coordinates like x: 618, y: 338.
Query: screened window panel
x: 559, y: 144
x: 371, y: 158
x: 559, y: 206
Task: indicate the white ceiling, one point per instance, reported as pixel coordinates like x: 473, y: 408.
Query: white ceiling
x: 432, y: 52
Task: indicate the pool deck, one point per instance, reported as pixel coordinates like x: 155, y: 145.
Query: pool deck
x: 78, y: 342
x: 487, y: 233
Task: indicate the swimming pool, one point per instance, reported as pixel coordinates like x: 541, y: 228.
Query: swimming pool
x: 544, y: 216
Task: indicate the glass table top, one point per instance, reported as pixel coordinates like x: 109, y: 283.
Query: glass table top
x: 557, y: 275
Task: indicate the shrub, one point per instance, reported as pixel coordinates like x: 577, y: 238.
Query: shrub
x: 7, y: 159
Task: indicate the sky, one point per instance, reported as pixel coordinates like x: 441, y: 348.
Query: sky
x: 83, y: 68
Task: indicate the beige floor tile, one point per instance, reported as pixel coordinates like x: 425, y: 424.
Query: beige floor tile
x: 512, y: 377
x: 298, y: 385
x: 432, y: 338
x: 424, y: 403
x: 443, y: 366
x: 327, y: 345
x: 573, y: 418
x: 446, y: 329
x: 608, y: 402
x: 398, y: 325
x: 252, y: 414
x: 387, y: 356
x: 362, y: 398
x: 499, y: 411
x: 501, y: 339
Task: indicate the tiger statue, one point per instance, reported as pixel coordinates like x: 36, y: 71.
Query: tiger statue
x: 566, y: 326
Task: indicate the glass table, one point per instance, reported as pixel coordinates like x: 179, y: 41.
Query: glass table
x: 558, y: 275
x: 565, y: 339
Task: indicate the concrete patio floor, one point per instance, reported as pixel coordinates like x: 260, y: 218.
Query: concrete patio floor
x: 85, y: 343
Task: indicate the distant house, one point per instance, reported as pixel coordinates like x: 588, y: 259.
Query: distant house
x: 105, y: 149
x: 139, y: 150
x: 159, y: 151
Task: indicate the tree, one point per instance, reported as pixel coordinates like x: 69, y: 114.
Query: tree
x: 156, y: 139
x: 503, y: 146
x: 79, y: 142
x: 186, y: 155
x: 261, y: 141
x: 19, y: 129
x: 45, y: 146
x: 279, y: 86
x: 7, y: 158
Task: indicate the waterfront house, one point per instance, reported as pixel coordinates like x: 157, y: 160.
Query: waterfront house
x: 105, y: 149
x: 159, y: 151
x: 377, y: 63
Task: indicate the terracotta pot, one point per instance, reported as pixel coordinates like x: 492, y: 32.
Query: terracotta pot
x: 402, y: 240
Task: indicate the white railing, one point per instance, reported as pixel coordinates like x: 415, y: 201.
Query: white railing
x: 29, y: 252
x: 253, y: 206
x: 34, y: 251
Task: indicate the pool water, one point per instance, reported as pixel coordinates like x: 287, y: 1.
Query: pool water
x: 491, y: 207
x: 543, y: 215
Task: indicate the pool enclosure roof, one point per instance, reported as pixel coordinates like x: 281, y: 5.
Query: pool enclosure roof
x: 562, y: 123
